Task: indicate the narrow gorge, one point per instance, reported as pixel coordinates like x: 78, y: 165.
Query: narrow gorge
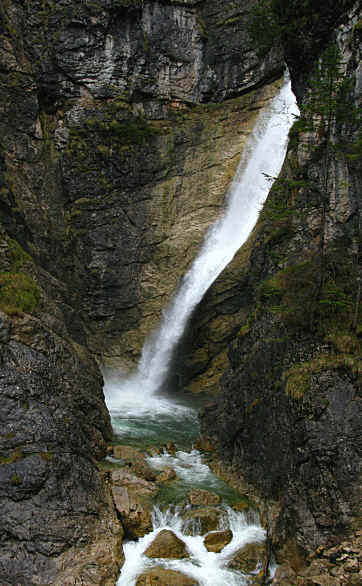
x: 122, y: 125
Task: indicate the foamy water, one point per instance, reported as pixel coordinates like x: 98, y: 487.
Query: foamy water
x: 208, y: 568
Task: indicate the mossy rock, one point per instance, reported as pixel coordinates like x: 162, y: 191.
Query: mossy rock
x: 18, y: 293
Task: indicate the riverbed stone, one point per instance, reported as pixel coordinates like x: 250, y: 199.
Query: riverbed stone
x: 127, y: 453
x: 167, y: 475
x: 135, y: 483
x: 167, y: 545
x: 200, y: 497
x: 132, y: 497
x: 201, y: 521
x: 134, y: 511
x: 134, y: 461
x: 163, y: 577
x: 217, y: 540
x: 247, y: 559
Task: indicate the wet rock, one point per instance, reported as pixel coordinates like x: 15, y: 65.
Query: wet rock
x: 217, y: 540
x: 127, y: 453
x: 205, y: 444
x: 171, y: 448
x: 135, y: 483
x: 202, y: 520
x: 163, y: 577
x: 166, y: 475
x: 134, y: 511
x: 284, y: 575
x: 249, y: 557
x: 200, y: 497
x: 167, y: 545
x: 153, y: 451
x: 134, y: 461
x: 241, y: 506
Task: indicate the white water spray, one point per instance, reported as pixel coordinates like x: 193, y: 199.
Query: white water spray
x: 262, y: 158
x: 204, y: 566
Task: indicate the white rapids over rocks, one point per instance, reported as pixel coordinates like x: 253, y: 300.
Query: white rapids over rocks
x: 208, y: 568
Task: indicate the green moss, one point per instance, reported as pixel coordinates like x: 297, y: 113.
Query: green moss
x: 229, y: 21
x: 298, y: 377
x: 15, y: 456
x: 318, y: 294
x: 46, y: 456
x: 297, y: 383
x: 18, y: 293
x: 15, y: 480
x: 18, y: 256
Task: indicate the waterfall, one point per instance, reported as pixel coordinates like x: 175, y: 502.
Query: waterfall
x: 262, y: 158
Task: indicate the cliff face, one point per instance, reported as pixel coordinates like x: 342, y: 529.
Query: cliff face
x: 116, y: 147
x: 291, y: 392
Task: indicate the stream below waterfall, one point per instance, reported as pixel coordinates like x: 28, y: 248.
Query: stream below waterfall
x: 145, y: 413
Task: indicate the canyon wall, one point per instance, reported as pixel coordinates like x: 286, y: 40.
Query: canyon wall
x: 121, y: 125
x: 291, y: 392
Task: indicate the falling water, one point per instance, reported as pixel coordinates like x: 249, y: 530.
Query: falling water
x: 262, y: 158
x: 140, y: 414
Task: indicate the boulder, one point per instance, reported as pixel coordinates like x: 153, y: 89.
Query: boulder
x: 131, y: 496
x: 137, y: 485
x: 217, y: 540
x: 163, y: 577
x: 241, y: 506
x: 203, y: 520
x: 247, y: 559
x: 199, y: 497
x: 127, y: 453
x: 134, y: 461
x: 153, y: 451
x: 167, y: 545
x: 134, y: 512
x: 171, y: 448
x: 166, y: 475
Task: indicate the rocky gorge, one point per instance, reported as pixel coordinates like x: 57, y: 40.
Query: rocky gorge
x: 121, y: 125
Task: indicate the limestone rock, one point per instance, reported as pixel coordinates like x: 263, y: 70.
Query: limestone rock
x: 163, y: 577
x: 200, y: 497
x: 134, y: 512
x: 166, y: 475
x: 137, y: 484
x: 202, y: 520
x: 167, y: 545
x: 217, y: 540
x: 127, y: 453
x: 249, y: 557
x: 134, y: 461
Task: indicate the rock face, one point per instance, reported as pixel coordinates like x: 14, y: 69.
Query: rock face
x: 48, y: 475
x: 123, y: 170
x: 288, y: 418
